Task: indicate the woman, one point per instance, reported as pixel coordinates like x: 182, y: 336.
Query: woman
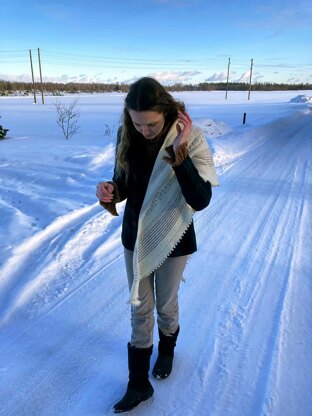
x: 165, y: 171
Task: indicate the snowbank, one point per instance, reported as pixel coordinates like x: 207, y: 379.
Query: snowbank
x: 302, y: 98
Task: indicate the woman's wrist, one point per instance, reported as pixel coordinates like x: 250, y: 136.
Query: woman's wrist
x: 111, y: 206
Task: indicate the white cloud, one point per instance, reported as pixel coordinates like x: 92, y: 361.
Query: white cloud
x: 130, y: 80
x: 18, y: 78
x: 64, y: 78
x: 257, y: 78
x: 167, y: 77
x: 220, y: 76
x: 244, y: 77
x: 172, y: 77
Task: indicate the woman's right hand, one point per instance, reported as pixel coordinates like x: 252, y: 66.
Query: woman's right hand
x: 105, y: 191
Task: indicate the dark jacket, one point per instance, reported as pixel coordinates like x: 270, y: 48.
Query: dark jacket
x: 141, y: 158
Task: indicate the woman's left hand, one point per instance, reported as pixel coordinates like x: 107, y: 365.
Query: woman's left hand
x: 183, y: 133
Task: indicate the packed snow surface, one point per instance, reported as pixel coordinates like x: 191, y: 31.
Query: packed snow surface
x: 245, y: 308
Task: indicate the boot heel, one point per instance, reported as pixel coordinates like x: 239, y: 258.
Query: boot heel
x: 132, y: 399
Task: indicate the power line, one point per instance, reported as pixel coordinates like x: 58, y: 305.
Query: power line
x: 63, y: 58
x: 52, y: 59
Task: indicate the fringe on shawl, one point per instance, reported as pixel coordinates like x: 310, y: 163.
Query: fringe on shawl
x: 134, y: 293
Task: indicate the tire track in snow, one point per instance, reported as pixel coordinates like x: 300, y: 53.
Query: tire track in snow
x: 279, y: 236
x: 253, y: 163
x: 235, y: 315
x: 273, y: 403
x: 53, y: 256
x: 239, y: 324
x: 75, y: 355
x: 271, y: 351
x: 230, y: 327
x: 62, y: 361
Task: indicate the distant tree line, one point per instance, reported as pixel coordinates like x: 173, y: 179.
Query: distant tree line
x: 8, y: 87
x: 26, y: 88
x: 239, y: 86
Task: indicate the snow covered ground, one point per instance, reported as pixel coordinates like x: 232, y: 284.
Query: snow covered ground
x: 245, y: 343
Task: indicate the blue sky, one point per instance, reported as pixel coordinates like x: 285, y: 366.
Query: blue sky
x: 172, y: 40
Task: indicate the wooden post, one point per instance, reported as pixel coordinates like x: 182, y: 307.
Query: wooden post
x: 251, y: 65
x: 227, y: 79
x: 32, y: 76
x: 42, y: 97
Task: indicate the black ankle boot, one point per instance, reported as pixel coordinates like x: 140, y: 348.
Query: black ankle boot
x: 139, y: 387
x: 163, y: 365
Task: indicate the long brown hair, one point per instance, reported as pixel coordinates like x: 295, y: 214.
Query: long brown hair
x: 146, y: 94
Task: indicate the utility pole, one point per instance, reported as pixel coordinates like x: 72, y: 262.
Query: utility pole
x: 32, y: 76
x: 42, y: 97
x: 227, y: 79
x: 251, y: 65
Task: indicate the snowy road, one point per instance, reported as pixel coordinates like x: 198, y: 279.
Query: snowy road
x: 256, y: 305
x: 245, y: 343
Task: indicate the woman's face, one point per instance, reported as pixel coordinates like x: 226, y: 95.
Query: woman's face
x: 148, y: 123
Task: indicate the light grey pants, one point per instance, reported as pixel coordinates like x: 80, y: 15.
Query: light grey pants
x: 164, y: 283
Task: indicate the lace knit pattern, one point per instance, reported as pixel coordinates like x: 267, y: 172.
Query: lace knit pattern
x: 165, y: 216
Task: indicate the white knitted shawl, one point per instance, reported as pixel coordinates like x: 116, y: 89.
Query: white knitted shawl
x: 165, y: 216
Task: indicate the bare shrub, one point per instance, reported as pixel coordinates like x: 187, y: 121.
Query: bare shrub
x: 67, y: 118
x: 109, y: 130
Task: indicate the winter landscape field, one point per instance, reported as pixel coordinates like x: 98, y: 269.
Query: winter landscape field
x: 245, y: 306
